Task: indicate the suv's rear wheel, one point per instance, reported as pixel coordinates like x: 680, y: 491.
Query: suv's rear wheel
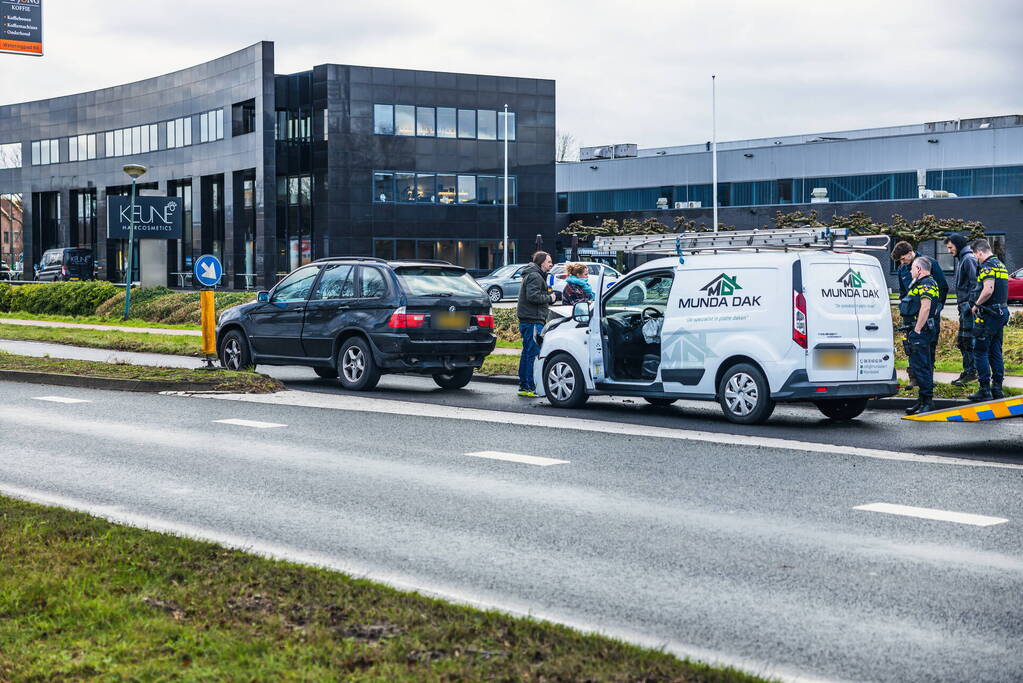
x: 495, y: 294
x: 744, y: 395
x: 358, y: 370
x: 456, y: 379
x: 234, y: 351
x: 842, y: 408
x: 563, y: 382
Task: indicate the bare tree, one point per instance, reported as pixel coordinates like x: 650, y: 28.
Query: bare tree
x: 565, y: 148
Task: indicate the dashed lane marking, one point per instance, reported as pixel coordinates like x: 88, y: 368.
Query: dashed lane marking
x: 60, y: 399
x: 250, y: 423
x: 516, y: 457
x: 931, y: 513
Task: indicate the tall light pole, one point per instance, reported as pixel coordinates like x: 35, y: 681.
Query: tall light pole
x: 506, y: 184
x: 135, y: 171
x: 714, y: 144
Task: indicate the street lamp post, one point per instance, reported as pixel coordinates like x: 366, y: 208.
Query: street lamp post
x: 505, y: 244
x: 135, y: 171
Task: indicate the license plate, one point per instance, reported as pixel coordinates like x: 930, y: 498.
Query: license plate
x: 836, y: 359
x: 451, y: 321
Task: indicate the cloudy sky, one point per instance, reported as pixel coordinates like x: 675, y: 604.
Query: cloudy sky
x: 636, y: 71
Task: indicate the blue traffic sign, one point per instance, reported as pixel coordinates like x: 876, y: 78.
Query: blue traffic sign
x: 208, y: 270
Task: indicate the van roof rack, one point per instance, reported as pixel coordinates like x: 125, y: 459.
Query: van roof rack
x: 744, y: 240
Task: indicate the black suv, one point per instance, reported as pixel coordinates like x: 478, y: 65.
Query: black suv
x: 357, y: 318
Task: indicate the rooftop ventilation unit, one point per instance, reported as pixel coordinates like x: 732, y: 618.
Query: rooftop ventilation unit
x: 819, y: 195
x: 619, y: 151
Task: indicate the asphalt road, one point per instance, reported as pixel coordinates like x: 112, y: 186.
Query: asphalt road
x: 665, y: 526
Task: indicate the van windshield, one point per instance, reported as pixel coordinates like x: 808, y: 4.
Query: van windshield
x: 427, y: 280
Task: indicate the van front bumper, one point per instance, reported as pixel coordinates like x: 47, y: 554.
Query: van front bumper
x: 798, y: 388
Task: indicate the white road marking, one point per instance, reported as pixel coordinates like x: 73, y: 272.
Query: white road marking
x: 60, y: 399
x: 516, y: 457
x: 308, y: 399
x: 250, y: 423
x: 931, y: 513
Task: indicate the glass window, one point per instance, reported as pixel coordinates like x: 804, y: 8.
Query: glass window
x: 109, y: 139
x: 383, y: 187
x: 296, y: 286
x: 337, y: 283
x: 466, y: 189
x: 55, y: 151
x: 486, y: 188
x: 425, y: 123
x: 293, y: 191
x: 467, y: 123
x: 649, y: 290
x: 185, y: 127
x: 405, y: 187
x: 10, y: 155
x: 445, y: 189
x: 136, y: 140
x: 425, y: 249
x: 425, y: 188
x: 154, y: 143
x: 220, y: 124
x: 446, y: 123
x: 500, y: 125
x: 513, y: 196
x: 72, y: 149
x: 487, y: 124
x: 204, y: 128
x: 371, y: 283
x: 179, y: 127
x: 425, y: 280
x: 404, y: 119
x: 383, y: 249
x: 36, y: 155
x: 383, y: 119
x: 171, y: 137
x: 90, y: 146
x: 405, y: 249
x: 44, y: 157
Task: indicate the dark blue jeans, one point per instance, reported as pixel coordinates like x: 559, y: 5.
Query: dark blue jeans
x: 530, y: 350
x: 987, y: 348
x: 921, y: 362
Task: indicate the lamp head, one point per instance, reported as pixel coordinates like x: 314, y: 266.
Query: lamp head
x: 134, y: 170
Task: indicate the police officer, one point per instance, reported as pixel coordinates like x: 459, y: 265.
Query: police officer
x: 920, y: 309
x: 992, y: 312
x: 904, y: 254
x: 964, y: 282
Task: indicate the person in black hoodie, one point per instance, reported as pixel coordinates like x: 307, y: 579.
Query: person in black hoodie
x: 964, y: 284
x: 533, y: 308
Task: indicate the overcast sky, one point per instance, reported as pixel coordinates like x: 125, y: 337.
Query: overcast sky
x: 636, y: 71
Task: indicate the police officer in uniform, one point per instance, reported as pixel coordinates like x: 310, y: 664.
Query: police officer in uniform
x: 992, y: 312
x: 904, y: 254
x: 920, y: 308
x: 965, y: 283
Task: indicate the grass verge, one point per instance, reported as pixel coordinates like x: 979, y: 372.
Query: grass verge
x: 215, y: 380
x: 96, y: 320
x: 144, y: 342
x: 500, y: 365
x: 84, y: 598
x: 942, y: 390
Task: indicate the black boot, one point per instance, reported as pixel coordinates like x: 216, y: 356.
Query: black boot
x: 964, y: 378
x: 924, y: 404
x: 982, y: 394
x: 996, y: 391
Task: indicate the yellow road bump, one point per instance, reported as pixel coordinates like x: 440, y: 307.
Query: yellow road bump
x: 975, y: 412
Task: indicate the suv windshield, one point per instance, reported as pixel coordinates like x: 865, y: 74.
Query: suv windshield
x: 425, y: 280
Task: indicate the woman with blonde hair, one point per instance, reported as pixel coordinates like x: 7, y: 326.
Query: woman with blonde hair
x: 577, y: 286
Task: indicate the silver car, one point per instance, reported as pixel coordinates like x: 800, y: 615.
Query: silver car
x: 503, y: 283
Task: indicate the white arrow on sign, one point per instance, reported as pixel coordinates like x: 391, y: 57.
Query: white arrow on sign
x: 209, y: 271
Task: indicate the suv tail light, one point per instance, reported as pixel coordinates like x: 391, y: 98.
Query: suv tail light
x: 483, y: 321
x: 401, y: 320
x: 799, y: 318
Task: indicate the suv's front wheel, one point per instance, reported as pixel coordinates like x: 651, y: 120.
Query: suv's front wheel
x: 234, y: 351
x: 456, y: 379
x: 744, y: 395
x: 357, y: 368
x: 563, y: 382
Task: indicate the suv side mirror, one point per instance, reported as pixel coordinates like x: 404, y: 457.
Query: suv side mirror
x: 581, y: 312
x: 262, y: 297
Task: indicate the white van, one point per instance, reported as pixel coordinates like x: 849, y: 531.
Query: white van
x: 744, y: 328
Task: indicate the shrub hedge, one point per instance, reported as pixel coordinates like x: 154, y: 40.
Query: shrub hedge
x: 57, y: 298
x: 162, y: 305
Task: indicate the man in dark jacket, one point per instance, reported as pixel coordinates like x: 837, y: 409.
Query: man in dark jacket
x: 534, y: 304
x: 904, y: 254
x: 964, y: 283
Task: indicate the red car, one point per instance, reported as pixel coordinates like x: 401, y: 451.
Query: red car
x: 1016, y: 286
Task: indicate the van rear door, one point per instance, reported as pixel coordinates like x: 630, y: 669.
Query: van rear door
x: 831, y: 318
x: 876, y: 358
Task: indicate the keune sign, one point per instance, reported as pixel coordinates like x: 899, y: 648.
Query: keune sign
x: 21, y: 27
x: 156, y: 218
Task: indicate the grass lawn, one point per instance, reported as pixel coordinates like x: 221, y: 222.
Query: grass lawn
x: 96, y: 320
x: 147, y: 342
x: 216, y: 380
x: 83, y: 598
x: 500, y: 365
x: 942, y: 390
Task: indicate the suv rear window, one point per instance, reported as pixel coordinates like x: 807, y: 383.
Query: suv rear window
x: 425, y: 280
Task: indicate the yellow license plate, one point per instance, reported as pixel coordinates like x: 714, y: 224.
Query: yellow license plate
x: 451, y: 321
x: 836, y: 359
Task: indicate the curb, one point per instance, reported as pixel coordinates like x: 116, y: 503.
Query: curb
x: 87, y: 382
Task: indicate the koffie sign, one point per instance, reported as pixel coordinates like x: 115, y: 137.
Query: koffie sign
x: 21, y: 27
x: 156, y: 218
x: 721, y: 292
x: 850, y: 287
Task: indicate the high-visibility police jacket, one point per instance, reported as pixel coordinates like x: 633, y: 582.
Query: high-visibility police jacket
x: 993, y: 269
x: 924, y: 288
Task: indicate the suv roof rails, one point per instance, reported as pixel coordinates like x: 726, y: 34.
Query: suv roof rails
x: 351, y: 258
x: 423, y: 260
x: 744, y: 240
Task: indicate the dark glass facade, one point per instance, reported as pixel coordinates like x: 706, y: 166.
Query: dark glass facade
x: 277, y: 170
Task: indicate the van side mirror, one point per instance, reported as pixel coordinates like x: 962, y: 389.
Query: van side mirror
x: 581, y: 312
x: 263, y: 297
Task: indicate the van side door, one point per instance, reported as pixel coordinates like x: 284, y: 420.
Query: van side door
x: 875, y: 360
x: 832, y: 334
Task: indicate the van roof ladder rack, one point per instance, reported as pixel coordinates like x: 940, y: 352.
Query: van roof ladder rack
x: 745, y: 240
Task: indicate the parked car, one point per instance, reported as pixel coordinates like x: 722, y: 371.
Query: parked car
x: 66, y: 264
x: 503, y: 283
x: 5, y: 271
x: 359, y: 318
x: 745, y: 329
x: 1016, y: 286
x: 556, y: 278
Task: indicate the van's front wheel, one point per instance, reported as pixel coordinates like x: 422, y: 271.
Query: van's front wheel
x: 744, y: 395
x: 563, y: 382
x: 842, y: 408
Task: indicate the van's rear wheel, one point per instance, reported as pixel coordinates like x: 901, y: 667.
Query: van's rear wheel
x: 563, y: 382
x: 744, y: 395
x: 842, y: 408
